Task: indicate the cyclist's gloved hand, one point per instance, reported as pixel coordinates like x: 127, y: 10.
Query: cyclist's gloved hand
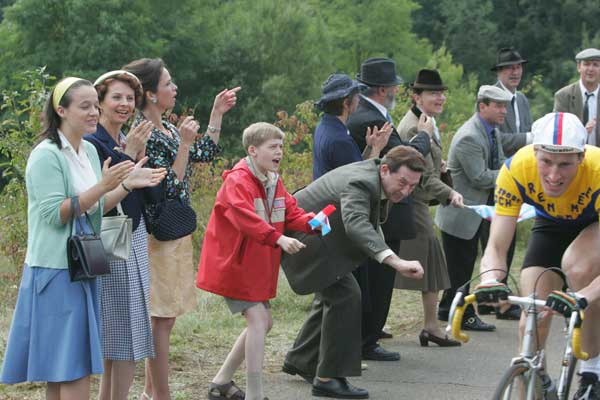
x: 565, y: 303
x: 491, y: 291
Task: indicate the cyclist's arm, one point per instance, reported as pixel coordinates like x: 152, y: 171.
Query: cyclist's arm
x: 501, y: 235
x: 592, y: 291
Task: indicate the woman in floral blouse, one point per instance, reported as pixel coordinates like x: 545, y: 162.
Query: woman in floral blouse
x: 172, y: 291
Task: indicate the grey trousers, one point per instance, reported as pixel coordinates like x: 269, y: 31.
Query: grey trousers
x: 329, y: 343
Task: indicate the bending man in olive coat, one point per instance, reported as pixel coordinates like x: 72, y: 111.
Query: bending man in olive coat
x: 327, y: 349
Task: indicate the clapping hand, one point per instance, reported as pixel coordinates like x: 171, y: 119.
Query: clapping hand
x: 136, y: 139
x: 425, y: 124
x: 141, y: 177
x: 113, y: 176
x: 188, y: 129
x: 378, y: 138
x: 225, y: 100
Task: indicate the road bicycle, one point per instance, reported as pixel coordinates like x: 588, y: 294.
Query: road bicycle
x: 526, y: 377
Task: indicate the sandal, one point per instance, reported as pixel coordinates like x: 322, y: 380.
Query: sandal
x: 225, y: 391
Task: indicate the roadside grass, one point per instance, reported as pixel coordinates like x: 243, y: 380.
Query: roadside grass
x: 201, y: 339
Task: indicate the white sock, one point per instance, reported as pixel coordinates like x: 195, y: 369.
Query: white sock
x: 591, y: 365
x: 254, y: 389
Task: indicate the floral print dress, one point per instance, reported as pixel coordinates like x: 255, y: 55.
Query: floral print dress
x: 172, y: 283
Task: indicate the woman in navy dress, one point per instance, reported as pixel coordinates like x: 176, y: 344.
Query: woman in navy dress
x: 125, y: 292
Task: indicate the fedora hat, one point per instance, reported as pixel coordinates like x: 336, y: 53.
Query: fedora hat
x: 428, y: 79
x: 379, y: 72
x: 508, y: 56
x: 337, y: 86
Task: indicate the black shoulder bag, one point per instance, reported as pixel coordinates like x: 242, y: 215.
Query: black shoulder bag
x: 85, y: 252
x: 173, y: 219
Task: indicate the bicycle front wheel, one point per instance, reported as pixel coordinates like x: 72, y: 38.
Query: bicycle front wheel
x: 513, y: 384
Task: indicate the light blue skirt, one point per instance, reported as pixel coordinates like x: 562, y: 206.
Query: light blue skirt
x: 55, y: 332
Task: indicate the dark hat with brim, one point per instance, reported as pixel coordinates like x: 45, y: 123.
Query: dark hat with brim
x: 338, y: 86
x: 428, y: 79
x: 379, y: 72
x: 507, y: 56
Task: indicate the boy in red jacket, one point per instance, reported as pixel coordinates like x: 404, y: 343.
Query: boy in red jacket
x: 242, y: 249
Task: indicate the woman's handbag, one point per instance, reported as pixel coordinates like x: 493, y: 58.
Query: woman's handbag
x: 116, y: 235
x: 174, y: 219
x: 85, y: 252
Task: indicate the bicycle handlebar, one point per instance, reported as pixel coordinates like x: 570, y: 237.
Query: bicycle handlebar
x: 457, y: 318
x: 576, y: 322
x: 461, y: 301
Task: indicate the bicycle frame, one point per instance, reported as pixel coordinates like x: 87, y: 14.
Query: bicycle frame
x: 529, y: 355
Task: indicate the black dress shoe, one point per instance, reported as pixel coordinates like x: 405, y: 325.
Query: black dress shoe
x: 473, y: 323
x: 338, y: 388
x: 292, y: 370
x: 385, y: 335
x: 378, y: 353
x: 513, y: 313
x: 484, y: 309
x: 425, y: 337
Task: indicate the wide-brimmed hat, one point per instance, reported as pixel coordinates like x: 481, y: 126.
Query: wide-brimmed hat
x: 559, y: 133
x: 428, y: 79
x: 508, y: 56
x: 379, y: 72
x: 338, y: 86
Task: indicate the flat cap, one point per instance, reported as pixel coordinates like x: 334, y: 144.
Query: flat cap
x: 588, y: 54
x: 493, y: 93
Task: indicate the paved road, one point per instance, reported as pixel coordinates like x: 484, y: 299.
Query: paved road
x: 468, y: 372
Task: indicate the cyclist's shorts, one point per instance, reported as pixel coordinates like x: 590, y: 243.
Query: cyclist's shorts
x: 548, y: 242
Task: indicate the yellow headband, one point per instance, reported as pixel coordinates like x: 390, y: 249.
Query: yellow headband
x: 111, y: 74
x: 60, y: 90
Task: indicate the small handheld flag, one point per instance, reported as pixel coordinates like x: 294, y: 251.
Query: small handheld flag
x: 487, y: 212
x: 322, y: 220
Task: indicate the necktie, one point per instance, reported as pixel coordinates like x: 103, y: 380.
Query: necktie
x: 494, y: 157
x: 389, y: 117
x: 512, y: 101
x: 586, y: 109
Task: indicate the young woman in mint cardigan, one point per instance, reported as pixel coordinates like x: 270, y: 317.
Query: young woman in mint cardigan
x: 54, y: 335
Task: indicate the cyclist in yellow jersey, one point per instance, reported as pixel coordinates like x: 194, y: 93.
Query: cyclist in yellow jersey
x: 560, y: 176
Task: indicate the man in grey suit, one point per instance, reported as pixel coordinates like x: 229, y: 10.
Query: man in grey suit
x: 474, y: 160
x: 327, y: 349
x: 581, y: 98
x: 509, y: 70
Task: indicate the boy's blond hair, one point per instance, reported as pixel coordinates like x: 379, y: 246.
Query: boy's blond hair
x: 259, y: 132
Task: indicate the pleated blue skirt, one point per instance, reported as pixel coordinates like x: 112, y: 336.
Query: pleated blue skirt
x: 55, y: 332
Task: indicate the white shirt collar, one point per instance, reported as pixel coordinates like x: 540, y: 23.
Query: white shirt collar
x: 384, y: 111
x: 505, y: 88
x: 584, y: 90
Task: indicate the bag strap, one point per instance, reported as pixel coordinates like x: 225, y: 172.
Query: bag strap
x: 78, y: 217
